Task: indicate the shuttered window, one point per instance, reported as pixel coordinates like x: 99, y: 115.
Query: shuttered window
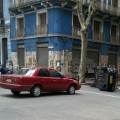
x: 113, y: 30
x: 96, y: 26
x: 76, y: 21
x: 42, y: 19
x: 115, y: 3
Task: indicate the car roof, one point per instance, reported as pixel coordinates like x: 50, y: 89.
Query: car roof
x: 42, y: 68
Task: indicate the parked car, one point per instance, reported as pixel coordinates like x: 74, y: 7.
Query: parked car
x: 38, y: 80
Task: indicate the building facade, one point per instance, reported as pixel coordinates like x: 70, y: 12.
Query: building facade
x: 47, y: 33
x: 5, y: 46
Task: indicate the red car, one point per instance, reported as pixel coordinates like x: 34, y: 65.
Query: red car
x: 38, y: 80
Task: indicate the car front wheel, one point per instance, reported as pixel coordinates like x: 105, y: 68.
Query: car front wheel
x: 71, y: 90
x: 15, y: 92
x: 36, y: 91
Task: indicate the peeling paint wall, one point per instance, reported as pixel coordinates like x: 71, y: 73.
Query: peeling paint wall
x: 61, y: 61
x: 30, y: 59
x: 14, y: 59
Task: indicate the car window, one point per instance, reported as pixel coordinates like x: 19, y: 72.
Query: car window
x: 43, y: 73
x: 54, y: 73
x: 30, y: 72
x: 22, y: 71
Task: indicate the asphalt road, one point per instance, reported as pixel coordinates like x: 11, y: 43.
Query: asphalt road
x: 87, y: 104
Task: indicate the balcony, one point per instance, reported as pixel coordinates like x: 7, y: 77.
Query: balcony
x: 105, y: 8
x: 76, y: 31
x: 20, y: 3
x: 19, y: 33
x: 114, y: 39
x: 98, y: 36
x: 108, y: 8
x: 40, y: 30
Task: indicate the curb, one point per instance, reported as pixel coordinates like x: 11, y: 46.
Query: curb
x: 86, y: 83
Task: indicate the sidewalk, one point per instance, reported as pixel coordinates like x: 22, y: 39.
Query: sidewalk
x: 89, y: 81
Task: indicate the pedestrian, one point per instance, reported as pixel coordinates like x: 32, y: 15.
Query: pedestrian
x: 2, y: 70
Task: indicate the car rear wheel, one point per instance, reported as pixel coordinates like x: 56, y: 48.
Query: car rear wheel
x: 15, y: 92
x: 71, y: 90
x: 36, y: 91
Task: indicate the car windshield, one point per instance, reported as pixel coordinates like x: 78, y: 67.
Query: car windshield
x: 22, y: 71
x: 30, y: 72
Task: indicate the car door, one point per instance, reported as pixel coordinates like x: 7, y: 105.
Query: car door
x: 60, y: 84
x: 45, y: 80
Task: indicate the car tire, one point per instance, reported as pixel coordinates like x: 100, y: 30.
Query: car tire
x: 111, y: 89
x: 15, y: 92
x: 71, y: 90
x: 36, y: 91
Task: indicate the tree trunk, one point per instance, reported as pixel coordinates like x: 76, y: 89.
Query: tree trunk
x: 82, y: 68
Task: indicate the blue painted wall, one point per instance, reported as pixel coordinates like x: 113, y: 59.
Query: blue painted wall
x: 30, y: 24
x: 61, y: 44
x: 12, y: 27
x: 30, y: 45
x: 59, y: 21
x: 90, y: 30
x: 104, y: 49
x: 13, y: 46
x: 106, y: 30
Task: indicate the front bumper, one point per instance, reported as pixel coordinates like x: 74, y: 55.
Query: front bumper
x: 78, y: 87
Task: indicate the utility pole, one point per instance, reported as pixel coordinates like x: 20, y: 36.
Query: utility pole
x: 1, y: 28
x: 4, y: 54
x: 4, y: 44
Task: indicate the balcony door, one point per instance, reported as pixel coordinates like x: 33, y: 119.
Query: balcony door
x: 76, y: 26
x: 20, y: 27
x: 115, y: 3
x: 98, y: 30
x: 41, y: 23
x: 113, y: 34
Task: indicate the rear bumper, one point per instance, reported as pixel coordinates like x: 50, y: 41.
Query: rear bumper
x: 14, y: 87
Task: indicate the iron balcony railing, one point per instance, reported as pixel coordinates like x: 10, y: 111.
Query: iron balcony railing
x: 76, y: 31
x: 41, y: 29
x: 99, y: 5
x: 98, y: 36
x: 19, y: 3
x: 114, y: 39
x: 38, y: 30
x: 19, y: 33
x: 105, y: 7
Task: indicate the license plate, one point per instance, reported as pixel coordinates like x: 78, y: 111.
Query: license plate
x: 8, y: 80
x: 111, y: 79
